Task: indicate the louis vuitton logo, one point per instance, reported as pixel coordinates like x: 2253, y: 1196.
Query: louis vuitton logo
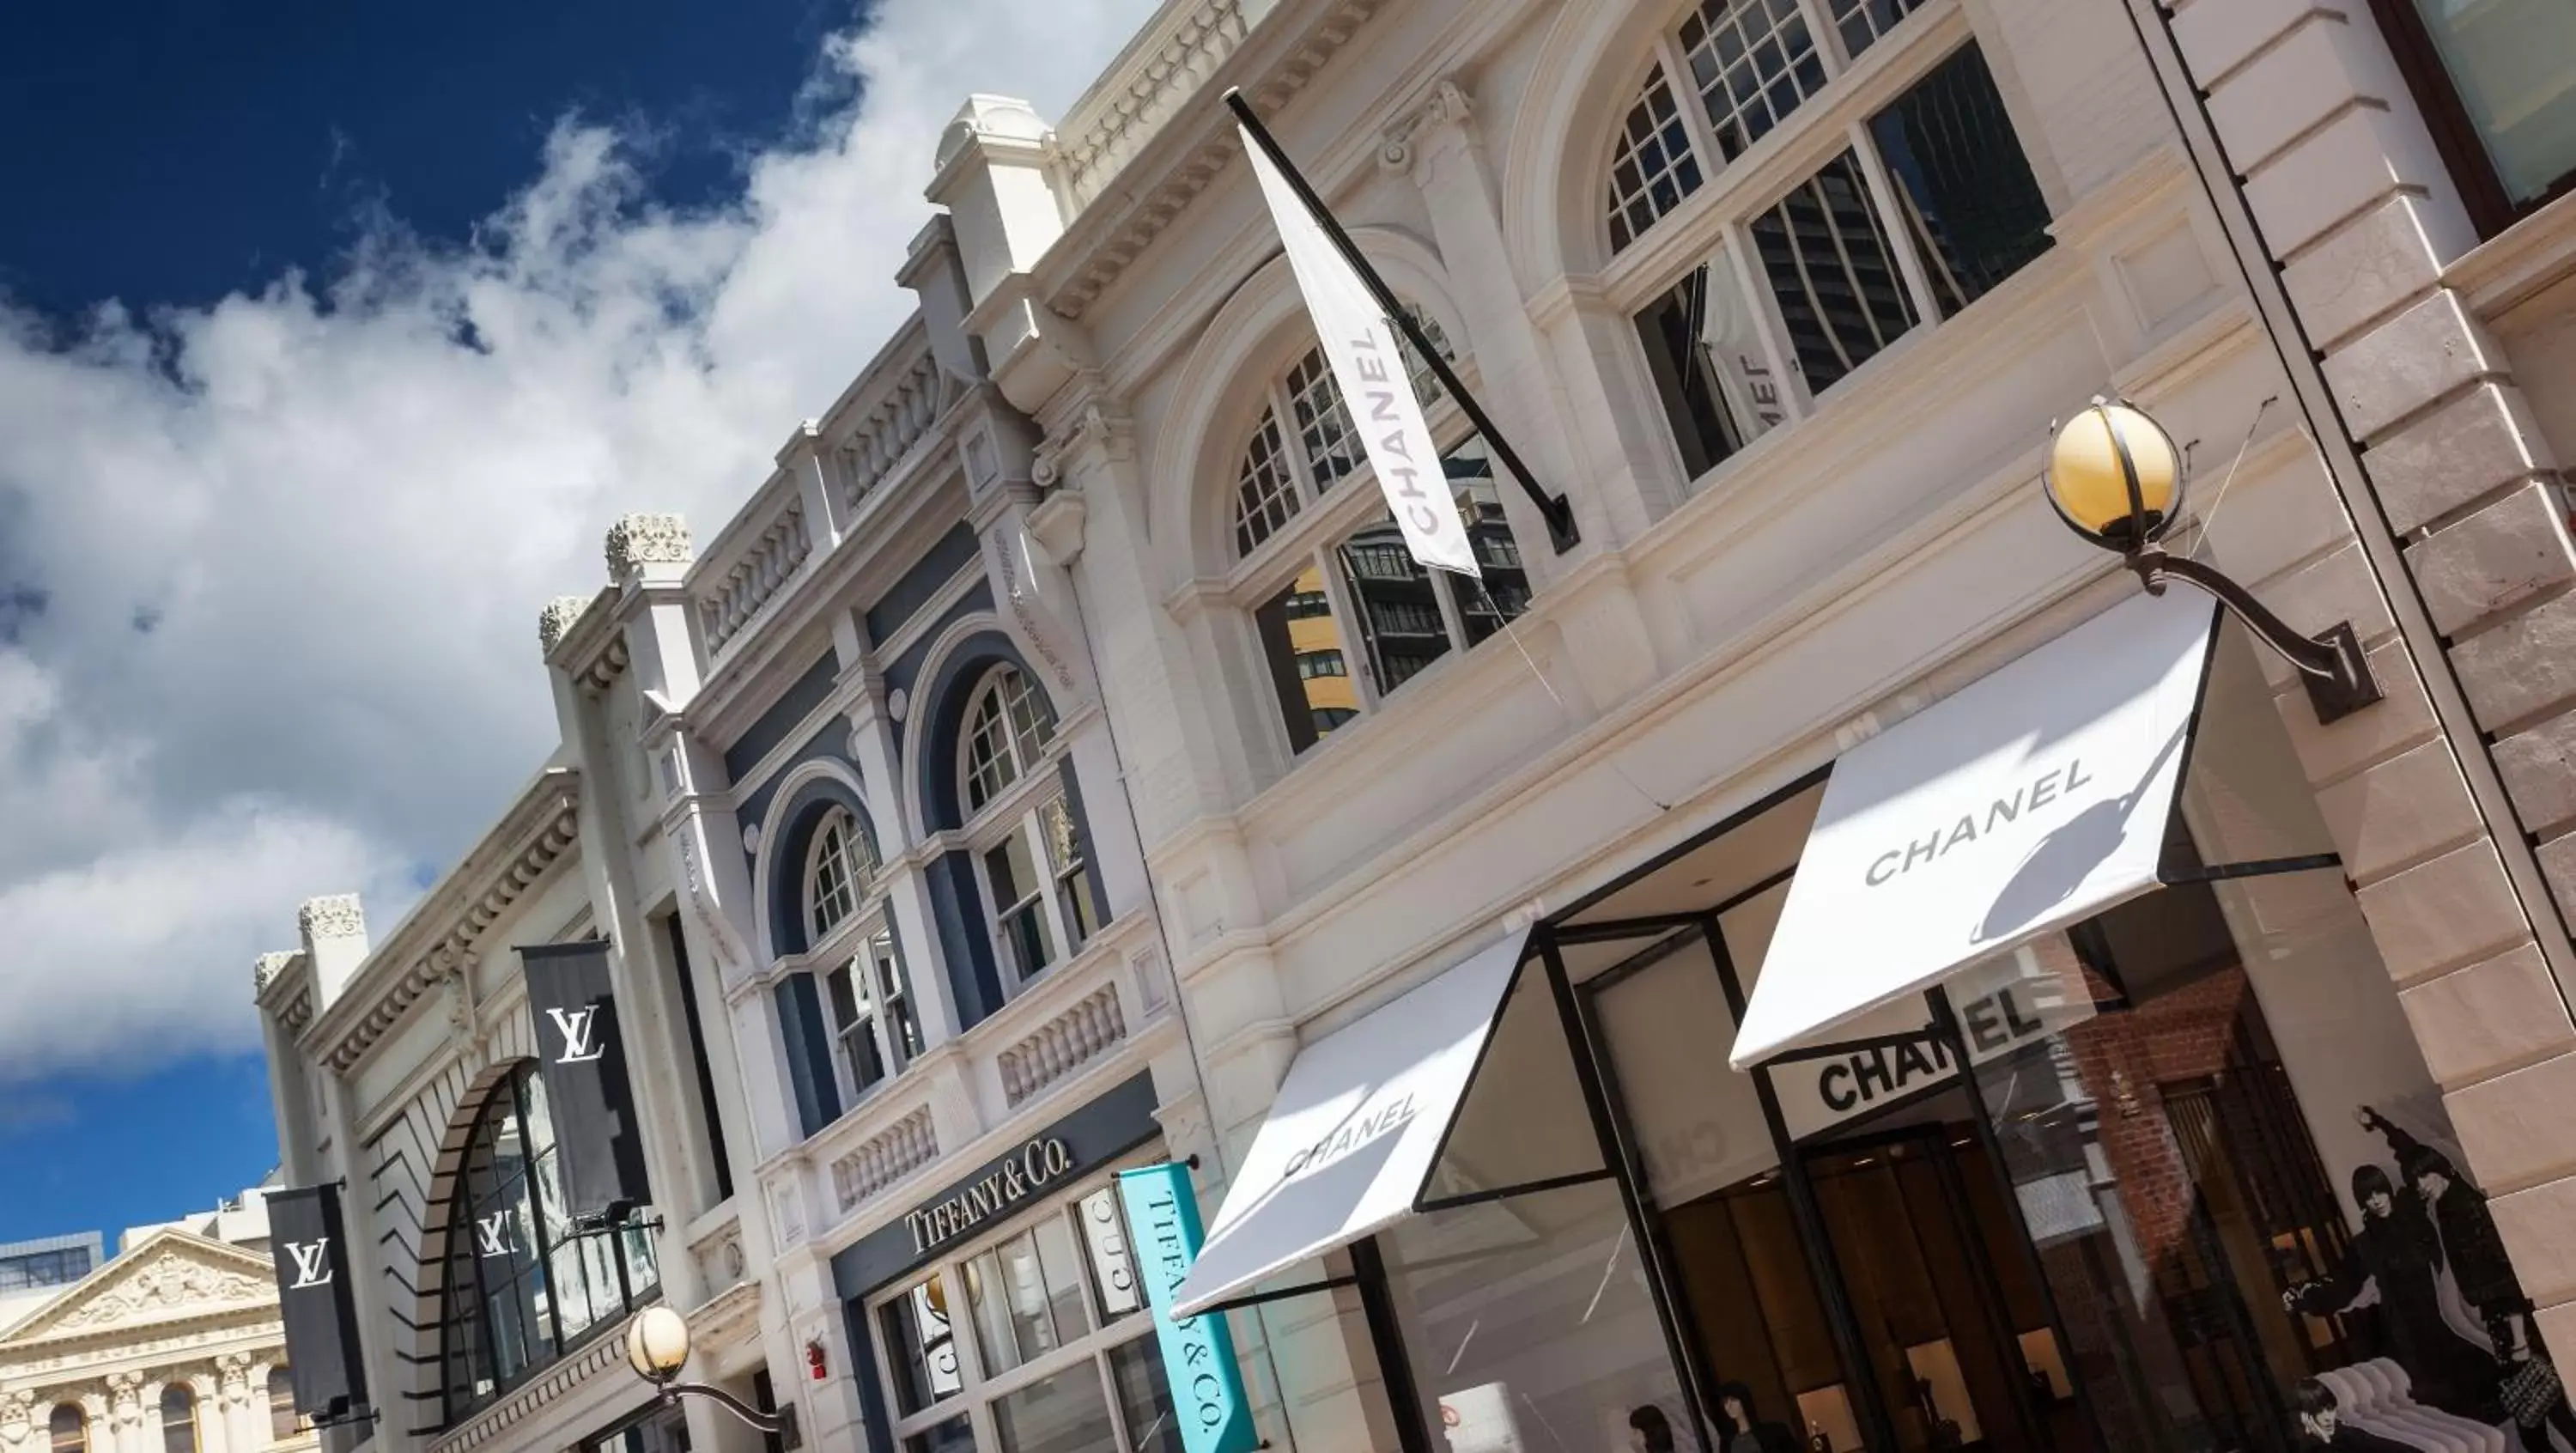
x: 579, y: 1028
x: 493, y: 1233
x: 312, y: 1263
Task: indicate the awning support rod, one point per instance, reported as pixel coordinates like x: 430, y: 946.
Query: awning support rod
x: 1330, y: 1283
x: 2259, y: 868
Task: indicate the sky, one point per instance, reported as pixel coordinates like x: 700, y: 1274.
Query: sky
x: 332, y: 339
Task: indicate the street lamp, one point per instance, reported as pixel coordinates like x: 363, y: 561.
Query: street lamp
x: 2115, y: 478
x: 657, y: 1347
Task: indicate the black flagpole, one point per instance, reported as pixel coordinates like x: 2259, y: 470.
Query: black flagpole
x: 1560, y: 515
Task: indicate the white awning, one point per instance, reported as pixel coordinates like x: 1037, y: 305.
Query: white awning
x: 1351, y: 1139
x: 2029, y: 800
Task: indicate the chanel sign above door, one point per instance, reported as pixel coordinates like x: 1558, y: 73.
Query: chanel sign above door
x: 582, y: 1058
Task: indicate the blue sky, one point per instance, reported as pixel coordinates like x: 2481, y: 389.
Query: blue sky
x: 332, y: 339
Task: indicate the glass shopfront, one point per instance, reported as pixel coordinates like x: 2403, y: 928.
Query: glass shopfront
x: 1005, y: 1312
x: 2194, y: 1191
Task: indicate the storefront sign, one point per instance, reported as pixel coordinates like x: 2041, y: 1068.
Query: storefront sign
x: 1107, y: 1127
x: 310, y: 1252
x: 2031, y: 799
x: 1040, y: 1163
x: 1198, y: 1352
x: 2002, y: 1004
x: 1352, y: 1135
x: 573, y: 1008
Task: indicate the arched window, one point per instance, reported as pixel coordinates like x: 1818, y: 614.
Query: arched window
x: 70, y: 1429
x: 178, y: 1419
x: 1326, y: 574
x: 1036, y: 866
x: 874, y: 1030
x: 1919, y: 207
x: 521, y: 1288
x: 284, y: 1421
x: 838, y: 870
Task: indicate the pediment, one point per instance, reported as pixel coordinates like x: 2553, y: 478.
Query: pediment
x: 171, y: 1277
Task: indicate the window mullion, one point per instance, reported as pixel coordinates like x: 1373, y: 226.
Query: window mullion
x: 1357, y: 659
x: 1884, y: 197
x: 1686, y: 98
x: 1795, y: 400
x: 1292, y: 448
x: 1829, y: 37
x: 1033, y: 823
x: 1444, y: 590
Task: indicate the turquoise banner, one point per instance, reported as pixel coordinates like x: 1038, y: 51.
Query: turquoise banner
x: 1198, y: 1354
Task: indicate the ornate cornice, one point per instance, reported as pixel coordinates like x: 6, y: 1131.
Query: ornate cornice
x: 646, y: 540
x: 557, y: 618
x: 1190, y: 149
x: 443, y: 933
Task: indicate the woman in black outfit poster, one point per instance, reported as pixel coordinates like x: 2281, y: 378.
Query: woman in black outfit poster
x: 2474, y: 1251
x: 2397, y: 1252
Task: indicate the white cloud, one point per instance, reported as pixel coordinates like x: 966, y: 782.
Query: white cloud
x: 291, y: 546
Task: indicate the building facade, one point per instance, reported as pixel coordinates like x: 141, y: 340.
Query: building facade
x: 174, y: 1346
x: 1058, y: 765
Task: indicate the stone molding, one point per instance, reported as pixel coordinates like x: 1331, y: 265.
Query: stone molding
x: 336, y: 916
x: 642, y: 539
x: 556, y: 620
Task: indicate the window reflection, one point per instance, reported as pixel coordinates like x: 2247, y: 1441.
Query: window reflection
x: 921, y: 1346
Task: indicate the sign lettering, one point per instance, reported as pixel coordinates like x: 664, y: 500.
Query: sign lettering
x: 2001, y: 812
x: 312, y: 1263
x: 493, y: 1233
x: 576, y: 1027
x: 1040, y: 1163
x: 1198, y: 1352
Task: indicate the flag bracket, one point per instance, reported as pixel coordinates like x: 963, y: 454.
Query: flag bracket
x: 1561, y: 529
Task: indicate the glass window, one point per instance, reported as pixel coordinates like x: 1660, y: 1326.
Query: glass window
x: 1705, y: 352
x: 1069, y: 862
x: 1062, y: 1357
x: 1862, y: 22
x: 1826, y: 253
x: 1008, y: 728
x: 69, y: 1428
x: 522, y: 1286
x: 1034, y: 861
x: 1752, y: 62
x: 1654, y: 167
x: 1400, y: 621
x: 1969, y: 200
x: 2509, y: 62
x: 842, y: 864
x: 1295, y: 626
x: 854, y: 1021
x: 178, y: 1419
x: 1027, y: 942
x: 283, y: 1421
x: 1266, y: 491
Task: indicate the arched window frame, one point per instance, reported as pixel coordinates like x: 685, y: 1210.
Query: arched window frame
x: 67, y: 1429
x: 1032, y: 857
x: 178, y: 1418
x: 1339, y: 610
x: 1750, y: 300
x: 875, y: 1031
x: 522, y: 1290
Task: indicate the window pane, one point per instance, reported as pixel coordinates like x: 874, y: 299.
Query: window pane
x: 1703, y: 346
x: 1505, y: 592
x: 1654, y: 167
x: 1265, y: 494
x: 954, y: 1436
x: 1399, y: 614
x: 1864, y: 21
x: 1753, y: 62
x: 894, y: 991
x: 2512, y: 61
x: 844, y: 996
x: 989, y: 764
x: 1967, y: 191
x: 1144, y: 1398
x: 1295, y: 625
x: 178, y: 1420
x: 1825, y: 251
x: 1324, y: 428
x: 1062, y: 1266
x: 1014, y: 1320
x: 1113, y: 1265
x: 921, y: 1346
x: 1065, y: 1413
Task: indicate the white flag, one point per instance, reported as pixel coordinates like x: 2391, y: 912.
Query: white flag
x: 1376, y: 385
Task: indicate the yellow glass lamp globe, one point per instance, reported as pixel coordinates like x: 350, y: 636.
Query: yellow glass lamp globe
x: 657, y: 1344
x: 2088, y: 477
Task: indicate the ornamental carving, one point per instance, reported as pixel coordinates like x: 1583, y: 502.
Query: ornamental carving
x: 337, y: 916
x: 125, y: 1399
x: 647, y: 540
x: 557, y: 619
x: 232, y: 1379
x: 17, y: 1415
x: 169, y: 1283
x: 266, y: 968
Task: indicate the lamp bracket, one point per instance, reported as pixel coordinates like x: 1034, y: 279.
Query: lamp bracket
x: 2331, y: 663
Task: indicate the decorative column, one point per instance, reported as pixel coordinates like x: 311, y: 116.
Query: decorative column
x: 18, y: 1421
x: 125, y: 1413
x: 102, y: 1425
x: 234, y: 1382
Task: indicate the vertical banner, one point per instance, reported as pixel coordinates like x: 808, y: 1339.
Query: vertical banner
x: 1198, y: 1353
x: 1360, y: 344
x: 583, y: 1062
x: 310, y: 1253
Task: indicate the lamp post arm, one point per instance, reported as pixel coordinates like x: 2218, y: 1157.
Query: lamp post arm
x: 2337, y: 674
x: 760, y: 1422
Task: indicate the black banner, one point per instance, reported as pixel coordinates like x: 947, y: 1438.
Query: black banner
x: 583, y: 1060
x: 313, y: 1293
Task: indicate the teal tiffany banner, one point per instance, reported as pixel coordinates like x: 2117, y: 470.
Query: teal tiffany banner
x: 1198, y: 1354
